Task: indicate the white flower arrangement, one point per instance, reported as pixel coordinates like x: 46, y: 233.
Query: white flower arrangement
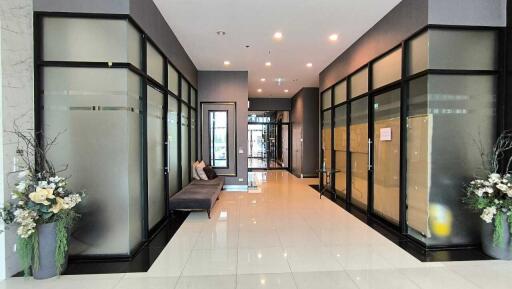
x: 38, y: 199
x: 491, y: 196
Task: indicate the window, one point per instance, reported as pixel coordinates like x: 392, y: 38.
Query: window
x: 326, y: 99
x: 218, y: 138
x: 387, y: 69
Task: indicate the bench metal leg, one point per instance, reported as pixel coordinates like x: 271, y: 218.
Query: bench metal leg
x: 208, y: 211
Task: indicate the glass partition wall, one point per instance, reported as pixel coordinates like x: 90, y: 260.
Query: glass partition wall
x: 403, y: 125
x: 127, y: 124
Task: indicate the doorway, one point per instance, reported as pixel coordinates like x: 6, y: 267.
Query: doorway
x: 268, y: 140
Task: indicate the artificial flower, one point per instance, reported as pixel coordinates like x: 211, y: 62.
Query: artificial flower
x: 41, y: 195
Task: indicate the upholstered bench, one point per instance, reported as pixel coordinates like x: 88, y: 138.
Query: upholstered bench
x: 198, y: 195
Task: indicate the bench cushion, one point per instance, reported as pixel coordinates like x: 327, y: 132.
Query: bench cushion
x: 198, y: 195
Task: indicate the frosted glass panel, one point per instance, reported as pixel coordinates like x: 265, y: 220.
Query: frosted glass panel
x: 462, y: 49
x: 173, y: 145
x: 155, y: 64
x: 172, y: 80
x: 193, y: 144
x: 84, y: 39
x: 184, y: 90
x: 97, y: 113
x: 340, y: 92
x: 156, y: 191
x: 418, y: 54
x: 340, y: 148
x: 326, y: 99
x: 387, y: 69
x: 359, y: 151
x: 185, y: 165
x: 193, y: 97
x: 359, y: 83
x: 449, y: 114
x: 386, y: 186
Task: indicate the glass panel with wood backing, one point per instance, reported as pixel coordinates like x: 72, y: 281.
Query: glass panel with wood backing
x: 340, y: 149
x: 386, y: 180
x: 359, y: 152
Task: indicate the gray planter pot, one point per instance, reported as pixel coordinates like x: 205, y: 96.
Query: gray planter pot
x: 503, y: 252
x: 47, y: 235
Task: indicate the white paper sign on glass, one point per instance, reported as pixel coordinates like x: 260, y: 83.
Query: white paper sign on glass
x: 385, y: 134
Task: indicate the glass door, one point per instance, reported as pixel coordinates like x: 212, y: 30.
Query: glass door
x: 359, y: 145
x: 386, y: 159
x: 257, y: 146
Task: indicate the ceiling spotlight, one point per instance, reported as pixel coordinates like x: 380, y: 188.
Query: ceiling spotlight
x: 278, y: 35
x: 286, y: 91
x: 333, y: 37
x: 227, y: 63
x: 259, y: 90
x: 263, y: 80
x: 221, y: 33
x: 309, y: 64
x: 268, y: 63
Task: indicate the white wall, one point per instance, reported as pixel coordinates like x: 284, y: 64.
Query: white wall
x: 17, y: 95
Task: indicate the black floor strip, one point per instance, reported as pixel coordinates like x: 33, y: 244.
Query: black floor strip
x: 419, y: 252
x: 140, y: 262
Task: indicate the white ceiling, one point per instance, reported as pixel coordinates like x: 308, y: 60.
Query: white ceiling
x: 305, y: 25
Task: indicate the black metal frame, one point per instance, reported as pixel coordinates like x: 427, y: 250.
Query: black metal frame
x: 235, y: 139
x: 503, y: 104
x: 40, y: 64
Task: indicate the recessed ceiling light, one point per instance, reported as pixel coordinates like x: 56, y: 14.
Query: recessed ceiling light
x: 309, y: 64
x: 268, y: 63
x: 227, y: 63
x: 221, y: 33
x: 286, y: 91
x: 333, y: 37
x: 278, y: 35
x: 263, y: 80
x: 260, y: 90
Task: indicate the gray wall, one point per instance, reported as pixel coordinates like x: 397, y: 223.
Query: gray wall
x: 305, y: 119
x: 229, y: 86
x: 406, y: 18
x: 146, y: 15
x: 402, y: 21
x: 261, y: 104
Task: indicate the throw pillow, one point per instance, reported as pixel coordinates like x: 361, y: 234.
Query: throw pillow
x: 200, y: 171
x: 210, y: 172
x: 194, y: 172
x: 195, y: 176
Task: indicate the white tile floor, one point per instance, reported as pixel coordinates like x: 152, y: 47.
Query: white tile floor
x: 285, y: 237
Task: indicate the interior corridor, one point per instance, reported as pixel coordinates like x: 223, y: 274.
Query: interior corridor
x: 285, y: 237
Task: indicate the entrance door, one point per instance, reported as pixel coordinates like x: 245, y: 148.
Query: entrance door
x: 359, y: 145
x: 268, y: 146
x: 257, y: 146
x: 386, y: 159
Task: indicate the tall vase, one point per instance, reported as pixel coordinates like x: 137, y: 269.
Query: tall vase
x: 47, y: 236
x: 502, y: 251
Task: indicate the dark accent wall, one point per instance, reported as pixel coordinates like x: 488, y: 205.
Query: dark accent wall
x: 305, y: 126
x: 229, y: 86
x: 146, y: 15
x: 406, y: 18
x: 508, y: 67
x: 262, y: 104
x: 402, y: 21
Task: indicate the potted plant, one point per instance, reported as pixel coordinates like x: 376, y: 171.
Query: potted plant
x: 43, y: 209
x: 491, y: 196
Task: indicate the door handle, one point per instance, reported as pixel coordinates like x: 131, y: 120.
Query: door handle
x: 369, y: 154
